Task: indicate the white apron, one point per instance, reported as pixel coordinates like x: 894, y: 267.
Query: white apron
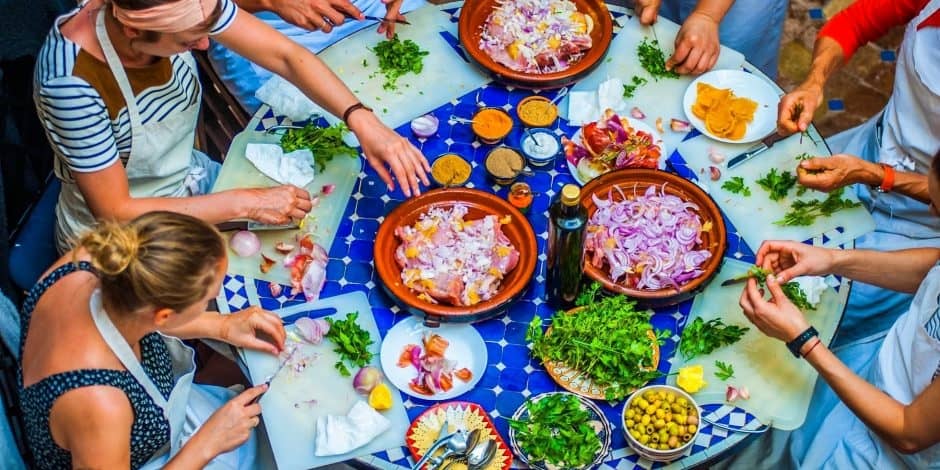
x: 160, y: 162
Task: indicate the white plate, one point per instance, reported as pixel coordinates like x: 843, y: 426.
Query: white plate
x: 634, y: 123
x: 466, y: 348
x: 745, y: 85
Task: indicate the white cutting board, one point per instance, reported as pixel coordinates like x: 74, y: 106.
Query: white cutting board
x: 780, y: 385
x: 238, y: 172
x: 661, y: 98
x: 754, y: 216
x: 292, y: 430
x: 445, y: 74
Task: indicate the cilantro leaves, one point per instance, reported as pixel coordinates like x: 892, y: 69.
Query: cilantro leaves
x: 396, y: 58
x: 725, y: 371
x: 352, y: 343
x: 653, y: 59
x: 804, y: 213
x: 701, y: 337
x: 777, y: 184
x: 736, y: 185
x: 324, y: 142
x: 558, y: 431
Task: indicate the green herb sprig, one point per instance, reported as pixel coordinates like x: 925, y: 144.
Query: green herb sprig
x: 725, y: 371
x: 803, y: 213
x: 396, y: 58
x: 635, y: 82
x: 736, y: 185
x: 702, y: 337
x: 653, y: 59
x: 324, y: 142
x: 557, y: 431
x: 621, y: 359
x: 777, y: 184
x: 792, y: 289
x: 352, y: 343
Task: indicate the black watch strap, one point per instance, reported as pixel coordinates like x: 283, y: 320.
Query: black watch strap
x: 798, y: 342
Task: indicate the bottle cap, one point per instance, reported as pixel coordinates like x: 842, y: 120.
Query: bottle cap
x: 570, y: 195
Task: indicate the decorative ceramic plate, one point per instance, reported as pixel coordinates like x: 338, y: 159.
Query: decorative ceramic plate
x: 466, y: 349
x: 426, y: 428
x: 599, y: 421
x: 744, y: 85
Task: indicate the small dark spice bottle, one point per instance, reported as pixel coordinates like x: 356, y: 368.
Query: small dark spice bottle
x: 567, y: 220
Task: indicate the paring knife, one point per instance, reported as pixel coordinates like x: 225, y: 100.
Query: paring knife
x: 277, y: 371
x: 736, y: 280
x: 380, y: 19
x: 756, y: 150
x: 249, y: 225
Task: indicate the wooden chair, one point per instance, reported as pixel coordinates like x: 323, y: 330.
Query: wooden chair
x: 221, y: 115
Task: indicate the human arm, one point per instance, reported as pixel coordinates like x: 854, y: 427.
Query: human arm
x: 307, y: 14
x: 238, y: 329
x: 906, y: 428
x: 829, y: 173
x: 840, y: 37
x: 789, y: 259
x: 382, y: 146
x: 392, y: 12
x: 94, y: 425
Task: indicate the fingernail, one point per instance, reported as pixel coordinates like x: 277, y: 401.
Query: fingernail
x: 771, y: 278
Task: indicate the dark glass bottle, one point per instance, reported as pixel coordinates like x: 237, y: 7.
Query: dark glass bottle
x: 567, y: 220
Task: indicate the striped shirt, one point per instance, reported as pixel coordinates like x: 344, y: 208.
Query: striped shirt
x: 88, y: 131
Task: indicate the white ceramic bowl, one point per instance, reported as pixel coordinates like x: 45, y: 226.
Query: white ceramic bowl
x: 657, y: 455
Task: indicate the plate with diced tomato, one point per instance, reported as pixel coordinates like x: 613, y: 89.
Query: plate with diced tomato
x: 437, y: 363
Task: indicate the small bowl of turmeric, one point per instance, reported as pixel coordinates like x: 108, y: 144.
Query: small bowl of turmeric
x: 537, y: 111
x: 491, y: 125
x: 450, y: 170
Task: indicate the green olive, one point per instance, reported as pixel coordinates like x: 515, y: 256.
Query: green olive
x: 649, y: 429
x: 682, y: 401
x: 631, y: 414
x: 663, y: 436
x: 660, y: 413
x: 671, y: 398
x: 659, y: 424
x: 683, y: 430
x: 644, y: 439
x: 686, y: 437
x: 692, y: 428
x: 661, y: 395
x: 654, y: 438
x: 635, y: 434
x: 630, y: 423
x: 692, y: 419
x: 673, y: 429
x: 643, y: 403
x: 681, y: 419
x: 668, y: 417
x: 645, y: 420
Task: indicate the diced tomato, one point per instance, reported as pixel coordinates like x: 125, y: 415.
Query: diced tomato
x: 464, y: 374
x: 420, y: 389
x: 404, y: 360
x: 435, y: 346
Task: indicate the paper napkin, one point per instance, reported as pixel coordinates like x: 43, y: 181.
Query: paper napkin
x: 294, y: 168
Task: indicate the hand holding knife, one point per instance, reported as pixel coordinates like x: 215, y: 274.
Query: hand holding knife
x: 276, y: 371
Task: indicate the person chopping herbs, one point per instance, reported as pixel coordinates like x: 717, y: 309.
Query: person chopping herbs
x: 752, y: 27
x: 885, y: 159
x: 118, y: 93
x: 104, y: 380
x: 880, y: 409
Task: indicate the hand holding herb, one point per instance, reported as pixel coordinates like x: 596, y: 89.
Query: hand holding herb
x: 736, y: 185
x: 777, y: 184
x: 557, y: 431
x: 701, y: 337
x: 324, y: 142
x: 792, y: 289
x: 352, y: 343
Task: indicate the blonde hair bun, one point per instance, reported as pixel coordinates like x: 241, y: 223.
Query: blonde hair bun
x: 112, y: 247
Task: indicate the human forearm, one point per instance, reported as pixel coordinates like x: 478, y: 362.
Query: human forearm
x: 254, y: 6
x: 908, y: 268
x: 827, y: 58
x: 912, y: 185
x: 212, y: 208
x: 714, y: 9
x: 196, y: 453
x: 208, y: 325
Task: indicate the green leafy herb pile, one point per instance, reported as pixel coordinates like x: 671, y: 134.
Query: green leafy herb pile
x: 324, y: 142
x: 792, y: 289
x: 620, y: 359
x: 702, y: 337
x: 736, y: 185
x: 777, y: 184
x: 725, y: 371
x: 653, y: 59
x: 635, y: 82
x: 396, y: 58
x: 558, y: 431
x: 804, y: 213
x: 352, y: 343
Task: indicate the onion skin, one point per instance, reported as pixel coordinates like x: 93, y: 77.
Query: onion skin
x: 366, y: 379
x: 245, y: 243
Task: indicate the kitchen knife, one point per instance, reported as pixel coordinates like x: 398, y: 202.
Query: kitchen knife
x: 756, y: 150
x: 735, y: 280
x: 277, y: 371
x: 251, y: 226
x: 380, y: 19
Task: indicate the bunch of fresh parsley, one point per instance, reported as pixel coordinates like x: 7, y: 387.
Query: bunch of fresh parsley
x: 352, y: 343
x: 620, y: 359
x: 804, y: 213
x: 702, y: 337
x: 558, y: 431
x: 736, y: 185
x: 324, y: 142
x: 777, y: 184
x: 653, y: 59
x: 725, y: 371
x: 396, y: 58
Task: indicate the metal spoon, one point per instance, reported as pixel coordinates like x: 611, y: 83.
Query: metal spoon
x: 561, y: 94
x: 455, y: 118
x: 480, y: 456
x: 443, y: 436
x: 529, y: 133
x: 457, y: 448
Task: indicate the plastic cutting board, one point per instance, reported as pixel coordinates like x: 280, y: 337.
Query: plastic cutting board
x: 292, y: 430
x: 238, y: 172
x: 780, y: 386
x: 754, y: 216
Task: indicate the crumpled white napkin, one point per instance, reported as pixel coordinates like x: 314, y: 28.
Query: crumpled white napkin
x: 587, y: 106
x: 294, y: 168
x: 286, y: 100
x: 341, y: 434
x: 813, y: 286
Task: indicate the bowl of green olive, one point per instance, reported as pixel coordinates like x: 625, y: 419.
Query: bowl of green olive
x: 660, y: 422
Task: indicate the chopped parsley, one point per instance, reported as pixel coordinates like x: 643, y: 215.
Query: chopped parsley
x: 777, y: 184
x: 629, y: 90
x: 396, y: 58
x: 653, y: 59
x: 736, y: 185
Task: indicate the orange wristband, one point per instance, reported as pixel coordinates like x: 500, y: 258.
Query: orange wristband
x: 887, y: 183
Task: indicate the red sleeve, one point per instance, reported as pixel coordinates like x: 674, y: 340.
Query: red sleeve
x: 868, y: 20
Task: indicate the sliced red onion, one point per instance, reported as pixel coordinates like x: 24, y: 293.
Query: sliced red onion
x: 425, y: 126
x: 312, y: 330
x: 327, y: 189
x: 245, y: 243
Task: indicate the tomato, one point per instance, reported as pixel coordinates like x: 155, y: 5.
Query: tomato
x: 595, y: 138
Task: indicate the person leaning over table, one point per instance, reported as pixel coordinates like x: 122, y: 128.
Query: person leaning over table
x: 313, y: 24
x: 751, y: 27
x: 105, y: 381
x: 886, y: 158
x: 882, y: 414
x: 118, y: 93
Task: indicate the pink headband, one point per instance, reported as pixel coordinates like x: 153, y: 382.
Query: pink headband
x: 167, y: 18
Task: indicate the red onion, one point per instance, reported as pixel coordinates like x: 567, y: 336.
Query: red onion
x: 312, y: 330
x: 366, y: 379
x: 245, y: 243
x: 424, y: 126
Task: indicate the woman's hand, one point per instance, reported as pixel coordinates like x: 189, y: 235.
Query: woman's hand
x: 778, y: 317
x: 278, y: 205
x: 789, y: 259
x: 697, y: 45
x: 315, y: 14
x: 392, y: 12
x: 240, y: 329
x: 647, y: 10
x: 831, y: 173
x: 383, y: 148
x: 230, y: 426
x: 796, y: 109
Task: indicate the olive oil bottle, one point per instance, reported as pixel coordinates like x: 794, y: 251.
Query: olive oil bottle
x: 567, y: 220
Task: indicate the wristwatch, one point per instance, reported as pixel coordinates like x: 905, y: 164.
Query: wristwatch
x: 887, y: 183
x: 798, y: 342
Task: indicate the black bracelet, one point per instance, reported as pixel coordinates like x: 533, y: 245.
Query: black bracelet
x: 798, y: 342
x: 352, y: 108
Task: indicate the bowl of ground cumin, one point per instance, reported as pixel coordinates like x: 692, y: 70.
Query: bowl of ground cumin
x: 504, y: 165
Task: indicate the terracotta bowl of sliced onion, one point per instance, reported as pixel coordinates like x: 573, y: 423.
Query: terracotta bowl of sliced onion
x: 652, y: 235
x: 539, y: 59
x: 455, y: 255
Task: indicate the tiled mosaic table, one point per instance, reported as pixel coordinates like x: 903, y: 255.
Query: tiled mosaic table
x: 511, y: 375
